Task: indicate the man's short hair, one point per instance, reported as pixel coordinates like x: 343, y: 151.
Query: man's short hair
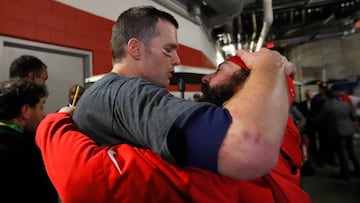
x: 25, y: 64
x: 16, y: 93
x: 136, y: 22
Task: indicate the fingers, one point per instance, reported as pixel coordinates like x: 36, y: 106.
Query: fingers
x: 289, y: 69
x: 68, y: 109
x: 264, y: 58
x: 267, y: 58
x: 246, y: 57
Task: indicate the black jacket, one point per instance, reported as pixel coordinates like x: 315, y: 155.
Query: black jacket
x: 23, y: 177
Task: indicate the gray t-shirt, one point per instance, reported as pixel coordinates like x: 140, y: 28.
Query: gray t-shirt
x: 119, y: 109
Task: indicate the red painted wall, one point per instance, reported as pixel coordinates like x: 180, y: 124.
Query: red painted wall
x: 193, y: 57
x: 55, y: 23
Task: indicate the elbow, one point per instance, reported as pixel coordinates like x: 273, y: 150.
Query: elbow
x: 247, y: 162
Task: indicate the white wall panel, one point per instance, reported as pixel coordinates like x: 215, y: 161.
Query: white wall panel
x: 65, y: 66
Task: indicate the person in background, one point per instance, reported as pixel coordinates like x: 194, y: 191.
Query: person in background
x: 30, y: 67
x: 310, y: 126
x: 131, y: 104
x: 297, y: 117
x: 342, y: 95
x: 23, y: 177
x: 317, y: 100
x: 128, y: 172
x: 341, y: 121
x: 310, y: 138
x: 357, y: 113
x: 196, y: 97
x: 356, y: 104
x: 72, y: 91
x: 326, y: 153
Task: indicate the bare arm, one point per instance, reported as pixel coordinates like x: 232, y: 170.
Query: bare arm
x: 259, y: 112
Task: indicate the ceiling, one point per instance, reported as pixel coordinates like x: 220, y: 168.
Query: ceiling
x: 239, y: 22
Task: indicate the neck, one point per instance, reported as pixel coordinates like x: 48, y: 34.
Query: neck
x: 126, y: 67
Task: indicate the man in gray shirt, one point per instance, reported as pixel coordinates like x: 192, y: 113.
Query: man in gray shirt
x: 131, y: 105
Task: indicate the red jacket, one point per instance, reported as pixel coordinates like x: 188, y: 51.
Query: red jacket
x: 85, y: 172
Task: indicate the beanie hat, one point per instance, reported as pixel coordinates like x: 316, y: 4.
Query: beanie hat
x: 237, y: 60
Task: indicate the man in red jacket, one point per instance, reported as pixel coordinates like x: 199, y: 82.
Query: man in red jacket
x: 284, y: 179
x: 82, y: 171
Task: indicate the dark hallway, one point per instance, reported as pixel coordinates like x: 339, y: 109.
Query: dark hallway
x: 325, y: 189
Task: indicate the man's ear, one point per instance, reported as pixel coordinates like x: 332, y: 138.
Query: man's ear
x: 25, y: 112
x: 135, y: 47
x: 31, y: 75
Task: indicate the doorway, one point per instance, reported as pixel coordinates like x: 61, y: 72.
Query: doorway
x: 66, y: 66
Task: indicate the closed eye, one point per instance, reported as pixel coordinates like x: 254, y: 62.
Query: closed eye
x: 167, y: 52
x: 170, y: 50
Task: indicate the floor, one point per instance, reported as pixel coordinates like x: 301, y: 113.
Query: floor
x: 325, y: 189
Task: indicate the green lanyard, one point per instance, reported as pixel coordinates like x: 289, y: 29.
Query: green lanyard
x: 12, y: 126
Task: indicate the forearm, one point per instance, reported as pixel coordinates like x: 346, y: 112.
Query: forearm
x: 259, y: 112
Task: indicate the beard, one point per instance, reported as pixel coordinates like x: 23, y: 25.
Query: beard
x: 223, y: 91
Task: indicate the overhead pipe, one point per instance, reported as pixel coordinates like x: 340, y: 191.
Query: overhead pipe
x: 224, y: 11
x: 253, y: 36
x: 237, y: 30
x: 268, y: 20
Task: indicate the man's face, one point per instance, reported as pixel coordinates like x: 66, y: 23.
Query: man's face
x: 308, y: 94
x: 72, y: 92
x: 41, y: 79
x: 221, y: 85
x: 34, y: 116
x: 160, y: 54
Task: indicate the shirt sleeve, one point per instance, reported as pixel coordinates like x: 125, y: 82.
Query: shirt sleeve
x: 204, y: 131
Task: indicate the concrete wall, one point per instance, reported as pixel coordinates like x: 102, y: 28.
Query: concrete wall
x: 333, y: 58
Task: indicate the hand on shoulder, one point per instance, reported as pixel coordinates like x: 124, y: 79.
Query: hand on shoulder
x: 68, y: 109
